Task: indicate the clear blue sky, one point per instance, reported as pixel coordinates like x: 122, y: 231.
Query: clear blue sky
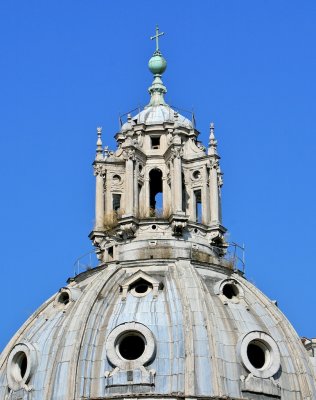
x: 69, y: 66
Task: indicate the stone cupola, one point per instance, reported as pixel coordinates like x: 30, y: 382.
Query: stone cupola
x: 160, y: 177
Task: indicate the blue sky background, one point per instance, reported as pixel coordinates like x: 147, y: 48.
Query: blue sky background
x: 69, y: 66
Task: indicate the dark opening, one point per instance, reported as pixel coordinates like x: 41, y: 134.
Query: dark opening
x: 155, y: 182
x: 230, y: 291
x: 110, y: 252
x: 116, y: 179
x: 141, y: 286
x: 256, y: 355
x: 116, y: 201
x: 20, y: 360
x: 23, y: 365
x: 63, y: 298
x: 196, y: 174
x: 132, y: 346
x: 184, y: 195
x: 153, y: 227
x: 155, y: 142
x: 198, y: 206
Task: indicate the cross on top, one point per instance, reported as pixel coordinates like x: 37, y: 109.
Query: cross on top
x: 157, y: 36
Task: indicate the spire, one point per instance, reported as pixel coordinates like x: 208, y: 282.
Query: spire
x: 212, y: 149
x: 99, y: 144
x: 157, y: 66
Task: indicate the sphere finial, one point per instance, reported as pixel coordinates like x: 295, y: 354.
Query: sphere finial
x: 157, y: 64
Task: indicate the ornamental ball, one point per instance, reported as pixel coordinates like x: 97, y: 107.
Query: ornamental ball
x: 157, y: 64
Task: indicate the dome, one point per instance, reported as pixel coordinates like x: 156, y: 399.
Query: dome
x: 166, y: 313
x: 157, y: 329
x: 160, y: 114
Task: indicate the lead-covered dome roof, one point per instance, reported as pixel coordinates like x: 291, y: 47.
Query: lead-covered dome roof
x: 158, y: 114
x: 157, y: 329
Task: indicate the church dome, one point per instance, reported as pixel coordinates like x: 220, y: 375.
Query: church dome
x: 158, y: 329
x: 166, y: 313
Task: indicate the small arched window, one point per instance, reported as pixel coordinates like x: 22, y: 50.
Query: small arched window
x: 155, y: 192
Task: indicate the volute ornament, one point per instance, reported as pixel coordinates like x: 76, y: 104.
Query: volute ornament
x: 129, y: 154
x: 99, y: 169
x: 176, y: 152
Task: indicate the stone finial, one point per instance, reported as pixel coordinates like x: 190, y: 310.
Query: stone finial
x: 212, y: 141
x: 212, y: 129
x: 99, y: 155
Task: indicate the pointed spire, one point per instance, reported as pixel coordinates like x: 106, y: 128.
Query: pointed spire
x: 157, y: 66
x: 99, y: 155
x: 212, y: 150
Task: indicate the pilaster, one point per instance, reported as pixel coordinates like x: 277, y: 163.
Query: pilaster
x: 99, y: 172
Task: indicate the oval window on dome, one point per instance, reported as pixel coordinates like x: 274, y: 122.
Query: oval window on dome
x: 141, y: 288
x: 130, y: 345
x: 21, y: 363
x: 63, y: 298
x: 230, y: 291
x: 260, y: 354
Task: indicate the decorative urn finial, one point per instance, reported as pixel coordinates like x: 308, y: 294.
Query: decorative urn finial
x: 99, y: 144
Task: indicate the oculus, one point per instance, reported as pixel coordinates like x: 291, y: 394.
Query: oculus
x: 130, y: 345
x: 259, y: 354
x: 21, y: 364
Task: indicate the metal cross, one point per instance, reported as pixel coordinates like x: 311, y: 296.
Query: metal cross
x: 157, y: 36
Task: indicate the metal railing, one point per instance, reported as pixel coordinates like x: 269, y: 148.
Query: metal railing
x: 85, y: 262
x: 236, y: 255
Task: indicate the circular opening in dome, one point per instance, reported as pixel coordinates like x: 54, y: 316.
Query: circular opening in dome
x: 196, y: 174
x: 141, y: 288
x: 230, y: 290
x: 131, y: 345
x: 195, y: 230
x: 19, y: 366
x: 116, y: 179
x: 260, y: 354
x: 154, y: 227
x: 64, y: 298
x: 257, y: 354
